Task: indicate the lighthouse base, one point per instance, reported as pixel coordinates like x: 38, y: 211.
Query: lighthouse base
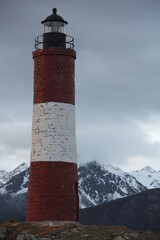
x: 53, y: 192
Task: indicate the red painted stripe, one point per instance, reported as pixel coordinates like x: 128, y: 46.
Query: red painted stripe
x: 54, y: 75
x: 53, y: 192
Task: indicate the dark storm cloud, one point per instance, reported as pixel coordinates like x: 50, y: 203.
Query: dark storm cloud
x: 122, y: 62
x: 117, y: 72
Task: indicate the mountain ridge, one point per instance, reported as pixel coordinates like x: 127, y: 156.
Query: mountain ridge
x: 6, y: 176
x: 98, y: 183
x: 139, y: 212
x: 105, y: 183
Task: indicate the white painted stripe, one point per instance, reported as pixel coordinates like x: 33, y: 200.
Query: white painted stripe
x: 53, y: 132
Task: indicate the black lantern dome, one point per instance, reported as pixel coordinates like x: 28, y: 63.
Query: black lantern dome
x: 54, y: 17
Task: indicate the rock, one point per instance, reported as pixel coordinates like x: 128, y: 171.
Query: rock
x: 126, y: 237
x: 3, y: 237
x: 85, y: 235
x: 20, y: 237
x: 30, y: 237
x: 119, y: 238
x: 132, y: 235
x: 5, y: 229
x: 135, y: 235
x: 25, y: 231
x: 44, y: 238
x: 75, y: 230
x: 79, y: 229
x: 26, y: 237
x: 16, y: 224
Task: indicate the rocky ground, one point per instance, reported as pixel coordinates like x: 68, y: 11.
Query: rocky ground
x: 26, y: 231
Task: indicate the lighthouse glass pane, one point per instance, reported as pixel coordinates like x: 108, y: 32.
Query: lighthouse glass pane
x: 55, y: 27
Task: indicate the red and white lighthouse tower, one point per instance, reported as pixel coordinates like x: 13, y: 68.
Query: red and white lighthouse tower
x: 53, y: 183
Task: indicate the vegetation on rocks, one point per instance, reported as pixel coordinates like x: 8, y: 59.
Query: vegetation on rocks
x: 11, y: 230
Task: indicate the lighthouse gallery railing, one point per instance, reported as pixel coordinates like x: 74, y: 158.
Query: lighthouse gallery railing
x: 39, y: 42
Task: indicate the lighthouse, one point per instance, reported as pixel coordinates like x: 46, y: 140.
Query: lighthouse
x: 53, y: 183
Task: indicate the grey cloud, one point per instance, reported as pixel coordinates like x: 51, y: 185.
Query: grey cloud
x: 117, y: 72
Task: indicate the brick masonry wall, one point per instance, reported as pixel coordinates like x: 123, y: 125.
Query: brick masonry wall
x: 54, y: 76
x: 53, y: 184
x: 52, y: 192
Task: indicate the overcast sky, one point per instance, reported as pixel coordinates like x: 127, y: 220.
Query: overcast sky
x: 117, y: 78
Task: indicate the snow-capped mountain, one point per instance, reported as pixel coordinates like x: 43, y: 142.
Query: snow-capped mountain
x: 22, y: 167
x: 6, y: 176
x: 148, y: 177
x: 99, y: 184
x: 13, y: 193
x: 18, y: 184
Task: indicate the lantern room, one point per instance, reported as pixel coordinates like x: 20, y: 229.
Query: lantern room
x: 54, y: 31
